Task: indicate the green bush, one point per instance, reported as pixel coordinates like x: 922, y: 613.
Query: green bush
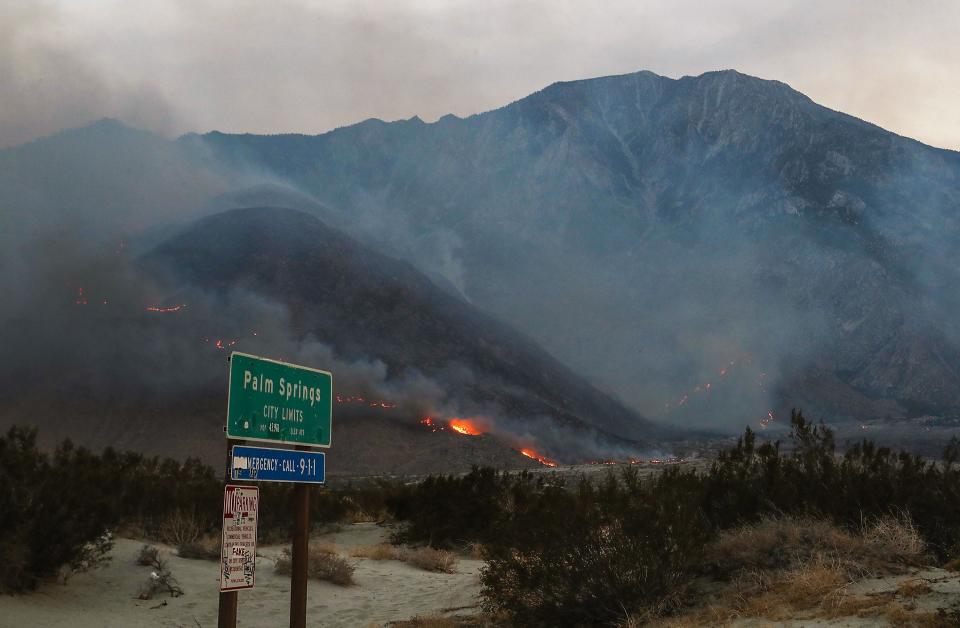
x: 54, y: 511
x: 56, y: 508
x: 589, y: 553
x: 749, y: 482
x: 449, y: 511
x: 594, y: 552
x: 593, y: 555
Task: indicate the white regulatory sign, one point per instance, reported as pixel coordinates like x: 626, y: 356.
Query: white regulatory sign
x: 238, y: 551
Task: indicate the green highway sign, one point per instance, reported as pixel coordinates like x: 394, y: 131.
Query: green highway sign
x: 277, y: 402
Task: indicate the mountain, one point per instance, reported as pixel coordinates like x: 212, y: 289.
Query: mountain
x: 102, y: 177
x: 708, y: 250
x: 134, y: 357
x: 658, y: 235
x: 365, y: 305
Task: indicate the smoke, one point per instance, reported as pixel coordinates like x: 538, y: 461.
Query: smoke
x: 700, y: 266
x: 48, y: 85
x: 675, y: 301
x: 310, y: 67
x: 86, y: 316
x: 97, y: 325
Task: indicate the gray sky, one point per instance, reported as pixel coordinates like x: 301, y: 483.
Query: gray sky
x: 303, y: 66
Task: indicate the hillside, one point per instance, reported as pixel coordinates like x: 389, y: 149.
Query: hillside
x: 710, y: 250
x: 672, y: 229
x: 365, y: 305
x: 279, y: 282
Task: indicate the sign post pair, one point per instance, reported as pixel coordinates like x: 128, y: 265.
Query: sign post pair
x: 272, y: 402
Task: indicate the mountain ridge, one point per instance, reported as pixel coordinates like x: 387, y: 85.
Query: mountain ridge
x: 704, y: 162
x: 645, y: 230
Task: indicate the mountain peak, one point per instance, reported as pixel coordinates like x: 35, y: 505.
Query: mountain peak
x: 104, y: 129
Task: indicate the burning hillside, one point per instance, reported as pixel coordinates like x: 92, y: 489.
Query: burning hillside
x: 117, y: 333
x: 530, y: 453
x: 465, y: 426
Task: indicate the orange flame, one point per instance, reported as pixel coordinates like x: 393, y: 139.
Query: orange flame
x: 373, y: 403
x: 164, y: 310
x: 465, y: 426
x: 529, y: 453
x: 431, y: 424
x: 765, y: 421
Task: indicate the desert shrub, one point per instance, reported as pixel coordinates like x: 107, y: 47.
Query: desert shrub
x: 784, y: 542
x: 322, y: 564
x: 914, y: 587
x: 159, y: 580
x: 54, y: 511
x: 202, y: 548
x: 591, y: 556
x: 145, y: 492
x: 323, y: 548
x: 429, y: 559
x: 819, y: 581
x: 451, y: 511
x: 380, y: 551
x: 475, y: 550
x: 181, y: 527
x: 894, y: 538
x: 284, y: 563
x: 749, y: 482
x: 777, y: 543
x: 147, y: 555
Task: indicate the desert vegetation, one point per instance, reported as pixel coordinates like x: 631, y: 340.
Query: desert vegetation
x: 323, y: 563
x: 160, y: 579
x: 60, y: 508
x: 426, y: 558
x: 769, y: 530
x: 785, y: 523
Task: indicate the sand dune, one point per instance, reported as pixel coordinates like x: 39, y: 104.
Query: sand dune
x: 385, y: 591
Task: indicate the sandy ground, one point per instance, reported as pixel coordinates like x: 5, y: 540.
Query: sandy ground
x: 385, y: 591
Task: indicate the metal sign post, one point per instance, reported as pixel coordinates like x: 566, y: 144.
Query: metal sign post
x: 276, y: 402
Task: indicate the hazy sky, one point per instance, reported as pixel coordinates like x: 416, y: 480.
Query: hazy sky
x: 297, y: 65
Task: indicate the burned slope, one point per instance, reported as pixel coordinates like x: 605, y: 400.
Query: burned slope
x: 671, y: 227
x: 368, y: 306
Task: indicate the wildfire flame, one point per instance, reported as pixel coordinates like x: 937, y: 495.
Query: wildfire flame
x: 529, y: 453
x: 722, y: 373
x: 465, y: 426
x: 164, y: 310
x: 706, y: 386
x: 372, y: 403
x: 765, y: 421
x: 431, y: 424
